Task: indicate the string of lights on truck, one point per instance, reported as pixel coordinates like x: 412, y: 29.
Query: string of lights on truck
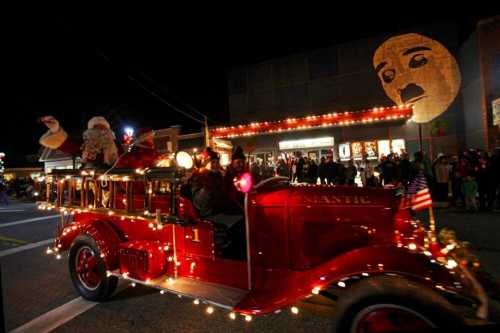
x: 210, y: 308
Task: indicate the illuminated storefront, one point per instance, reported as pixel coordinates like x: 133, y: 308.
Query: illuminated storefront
x: 346, y: 135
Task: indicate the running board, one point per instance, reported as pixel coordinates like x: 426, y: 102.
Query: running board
x: 215, y: 294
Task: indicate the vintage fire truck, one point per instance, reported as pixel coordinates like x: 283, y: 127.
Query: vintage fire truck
x: 353, y: 247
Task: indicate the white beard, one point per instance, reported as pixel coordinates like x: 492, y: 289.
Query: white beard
x: 97, y: 141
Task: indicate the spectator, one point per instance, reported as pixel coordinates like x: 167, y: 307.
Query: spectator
x: 312, y: 172
x: 300, y: 170
x: 404, y: 168
x: 460, y: 171
x: 469, y: 189
x: 282, y: 168
x: 256, y: 171
x: 371, y: 181
x: 350, y: 173
x: 442, y: 172
x: 339, y: 173
x: 331, y: 170
x: 389, y: 170
x: 322, y: 171
x: 3, y: 193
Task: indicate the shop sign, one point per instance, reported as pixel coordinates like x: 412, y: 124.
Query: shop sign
x: 306, y: 143
x: 371, y: 150
x: 345, y: 151
x: 357, y: 150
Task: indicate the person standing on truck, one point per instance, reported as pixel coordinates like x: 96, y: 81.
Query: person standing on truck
x: 207, y: 186
x: 235, y: 198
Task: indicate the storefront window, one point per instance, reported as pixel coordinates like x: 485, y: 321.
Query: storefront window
x: 398, y: 146
x: 384, y: 148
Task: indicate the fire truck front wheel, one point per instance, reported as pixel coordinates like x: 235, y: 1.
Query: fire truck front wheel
x: 88, y: 270
x: 388, y: 304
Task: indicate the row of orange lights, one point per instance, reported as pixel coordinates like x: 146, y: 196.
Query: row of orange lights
x: 346, y: 118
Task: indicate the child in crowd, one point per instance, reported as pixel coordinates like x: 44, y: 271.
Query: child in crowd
x: 469, y: 189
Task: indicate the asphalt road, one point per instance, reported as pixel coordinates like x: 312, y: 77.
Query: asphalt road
x: 36, y: 286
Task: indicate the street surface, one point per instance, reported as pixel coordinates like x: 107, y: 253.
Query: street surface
x: 38, y: 293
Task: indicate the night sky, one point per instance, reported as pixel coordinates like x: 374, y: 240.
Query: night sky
x: 74, y: 65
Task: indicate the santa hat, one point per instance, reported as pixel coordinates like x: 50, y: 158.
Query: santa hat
x: 98, y: 120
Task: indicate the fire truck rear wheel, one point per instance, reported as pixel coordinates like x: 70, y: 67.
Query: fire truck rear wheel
x: 88, y: 270
x: 390, y: 304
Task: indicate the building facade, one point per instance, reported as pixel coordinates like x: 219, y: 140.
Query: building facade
x: 452, y: 85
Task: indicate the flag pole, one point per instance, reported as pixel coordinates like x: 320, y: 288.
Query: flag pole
x: 432, y: 226
x: 433, y: 244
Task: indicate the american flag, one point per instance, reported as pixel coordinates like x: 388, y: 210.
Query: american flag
x: 419, y: 194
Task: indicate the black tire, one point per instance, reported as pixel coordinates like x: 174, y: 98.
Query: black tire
x: 392, y: 294
x: 102, y: 287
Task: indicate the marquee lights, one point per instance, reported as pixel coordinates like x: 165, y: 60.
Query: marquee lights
x: 347, y: 118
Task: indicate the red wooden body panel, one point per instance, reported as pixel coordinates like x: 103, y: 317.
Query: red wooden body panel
x: 143, y: 259
x: 326, y: 221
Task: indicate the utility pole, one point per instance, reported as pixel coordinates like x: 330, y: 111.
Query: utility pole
x: 207, y: 133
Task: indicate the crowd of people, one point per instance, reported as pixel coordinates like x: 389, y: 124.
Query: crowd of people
x: 470, y: 179
x: 18, y: 188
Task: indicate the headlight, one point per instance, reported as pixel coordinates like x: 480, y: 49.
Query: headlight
x: 184, y: 160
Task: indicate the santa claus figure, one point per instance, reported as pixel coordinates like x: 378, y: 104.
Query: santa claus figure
x: 97, y: 148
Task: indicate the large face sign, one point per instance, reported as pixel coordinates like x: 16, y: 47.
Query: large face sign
x: 417, y: 70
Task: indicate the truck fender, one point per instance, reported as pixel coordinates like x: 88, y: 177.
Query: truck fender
x: 390, y: 261
x: 108, y: 241
x: 103, y: 233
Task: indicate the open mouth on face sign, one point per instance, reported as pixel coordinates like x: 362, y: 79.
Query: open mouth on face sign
x: 412, y: 93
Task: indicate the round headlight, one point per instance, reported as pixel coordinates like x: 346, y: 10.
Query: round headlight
x: 184, y: 160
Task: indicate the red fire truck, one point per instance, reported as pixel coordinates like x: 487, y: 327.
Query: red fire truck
x: 354, y: 247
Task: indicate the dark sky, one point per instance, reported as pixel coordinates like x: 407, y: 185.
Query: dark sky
x: 74, y: 65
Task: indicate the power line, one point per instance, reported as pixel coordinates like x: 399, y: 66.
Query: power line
x: 154, y: 94
x: 189, y: 106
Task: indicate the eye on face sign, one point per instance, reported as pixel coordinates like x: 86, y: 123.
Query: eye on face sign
x: 418, y: 70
